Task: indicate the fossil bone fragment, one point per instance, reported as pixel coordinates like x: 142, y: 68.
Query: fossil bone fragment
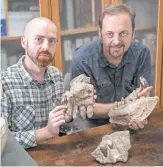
x: 133, y: 107
x: 113, y: 148
x: 139, y: 110
x: 80, y: 98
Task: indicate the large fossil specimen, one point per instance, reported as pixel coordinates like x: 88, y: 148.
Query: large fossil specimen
x: 113, y: 148
x: 80, y: 98
x: 133, y: 108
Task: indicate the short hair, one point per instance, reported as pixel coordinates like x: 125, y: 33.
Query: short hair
x: 116, y: 9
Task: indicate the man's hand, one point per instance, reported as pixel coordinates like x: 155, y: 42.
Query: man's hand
x: 138, y: 93
x: 144, y: 92
x: 137, y: 124
x: 56, y: 118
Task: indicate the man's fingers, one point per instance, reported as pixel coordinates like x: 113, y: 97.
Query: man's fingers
x: 137, y: 124
x: 56, y: 114
x: 59, y: 123
x: 57, y: 119
x: 139, y: 89
x: 58, y: 108
x: 144, y: 122
x: 145, y: 91
x: 133, y: 125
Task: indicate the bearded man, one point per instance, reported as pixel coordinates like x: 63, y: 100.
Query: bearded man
x: 114, y: 63
x: 32, y: 88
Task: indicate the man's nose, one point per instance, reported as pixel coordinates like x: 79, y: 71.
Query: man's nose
x: 45, y: 45
x: 116, y: 40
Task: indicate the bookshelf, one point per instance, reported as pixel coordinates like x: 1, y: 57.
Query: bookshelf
x: 14, y: 15
x: 6, y: 38
x: 78, y: 31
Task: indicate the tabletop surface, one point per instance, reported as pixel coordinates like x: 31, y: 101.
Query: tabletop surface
x: 75, y: 149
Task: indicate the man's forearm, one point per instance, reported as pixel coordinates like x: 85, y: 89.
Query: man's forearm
x: 42, y: 135
x: 101, y: 110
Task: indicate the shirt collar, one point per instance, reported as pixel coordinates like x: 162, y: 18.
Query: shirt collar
x: 27, y: 78
x: 103, y: 62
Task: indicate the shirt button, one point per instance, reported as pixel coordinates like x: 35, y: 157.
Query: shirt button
x: 116, y: 85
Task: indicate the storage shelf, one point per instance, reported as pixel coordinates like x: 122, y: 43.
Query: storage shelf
x: 75, y: 31
x: 78, y: 31
x: 7, y: 38
x: 145, y: 28
x: 92, y: 29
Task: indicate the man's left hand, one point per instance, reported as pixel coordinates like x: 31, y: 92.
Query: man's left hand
x: 134, y: 124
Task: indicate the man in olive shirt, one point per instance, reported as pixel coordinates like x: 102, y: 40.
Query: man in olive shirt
x: 114, y: 62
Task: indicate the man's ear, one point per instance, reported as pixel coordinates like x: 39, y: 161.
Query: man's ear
x: 99, y: 32
x: 24, y: 42
x: 133, y: 34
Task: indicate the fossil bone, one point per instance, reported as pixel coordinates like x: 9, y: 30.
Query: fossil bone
x: 133, y: 107
x: 139, y: 110
x: 80, y: 98
x: 113, y: 148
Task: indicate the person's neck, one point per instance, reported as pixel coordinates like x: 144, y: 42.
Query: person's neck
x: 36, y: 72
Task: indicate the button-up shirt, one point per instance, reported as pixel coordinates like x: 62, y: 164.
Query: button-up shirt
x: 112, y: 82
x: 26, y: 103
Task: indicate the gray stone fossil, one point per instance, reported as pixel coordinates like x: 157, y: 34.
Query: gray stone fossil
x: 113, y: 148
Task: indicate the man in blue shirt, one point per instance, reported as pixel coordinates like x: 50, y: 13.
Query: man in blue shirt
x: 114, y: 62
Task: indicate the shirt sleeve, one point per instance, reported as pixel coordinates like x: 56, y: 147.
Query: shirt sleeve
x: 25, y: 138
x: 59, y: 85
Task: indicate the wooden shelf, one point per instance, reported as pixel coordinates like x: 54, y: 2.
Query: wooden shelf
x: 78, y: 31
x: 75, y: 31
x: 92, y: 29
x: 7, y: 38
x: 144, y: 28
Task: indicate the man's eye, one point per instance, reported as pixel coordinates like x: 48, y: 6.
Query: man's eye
x: 109, y: 34
x: 39, y: 40
x: 123, y: 34
x: 52, y: 41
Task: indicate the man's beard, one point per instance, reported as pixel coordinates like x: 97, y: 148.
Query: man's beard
x: 116, y: 50
x: 41, y: 59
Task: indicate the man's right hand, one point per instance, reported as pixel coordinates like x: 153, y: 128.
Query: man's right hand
x: 56, y: 118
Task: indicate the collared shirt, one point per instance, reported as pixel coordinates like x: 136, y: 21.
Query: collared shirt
x: 112, y: 82
x: 26, y: 103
